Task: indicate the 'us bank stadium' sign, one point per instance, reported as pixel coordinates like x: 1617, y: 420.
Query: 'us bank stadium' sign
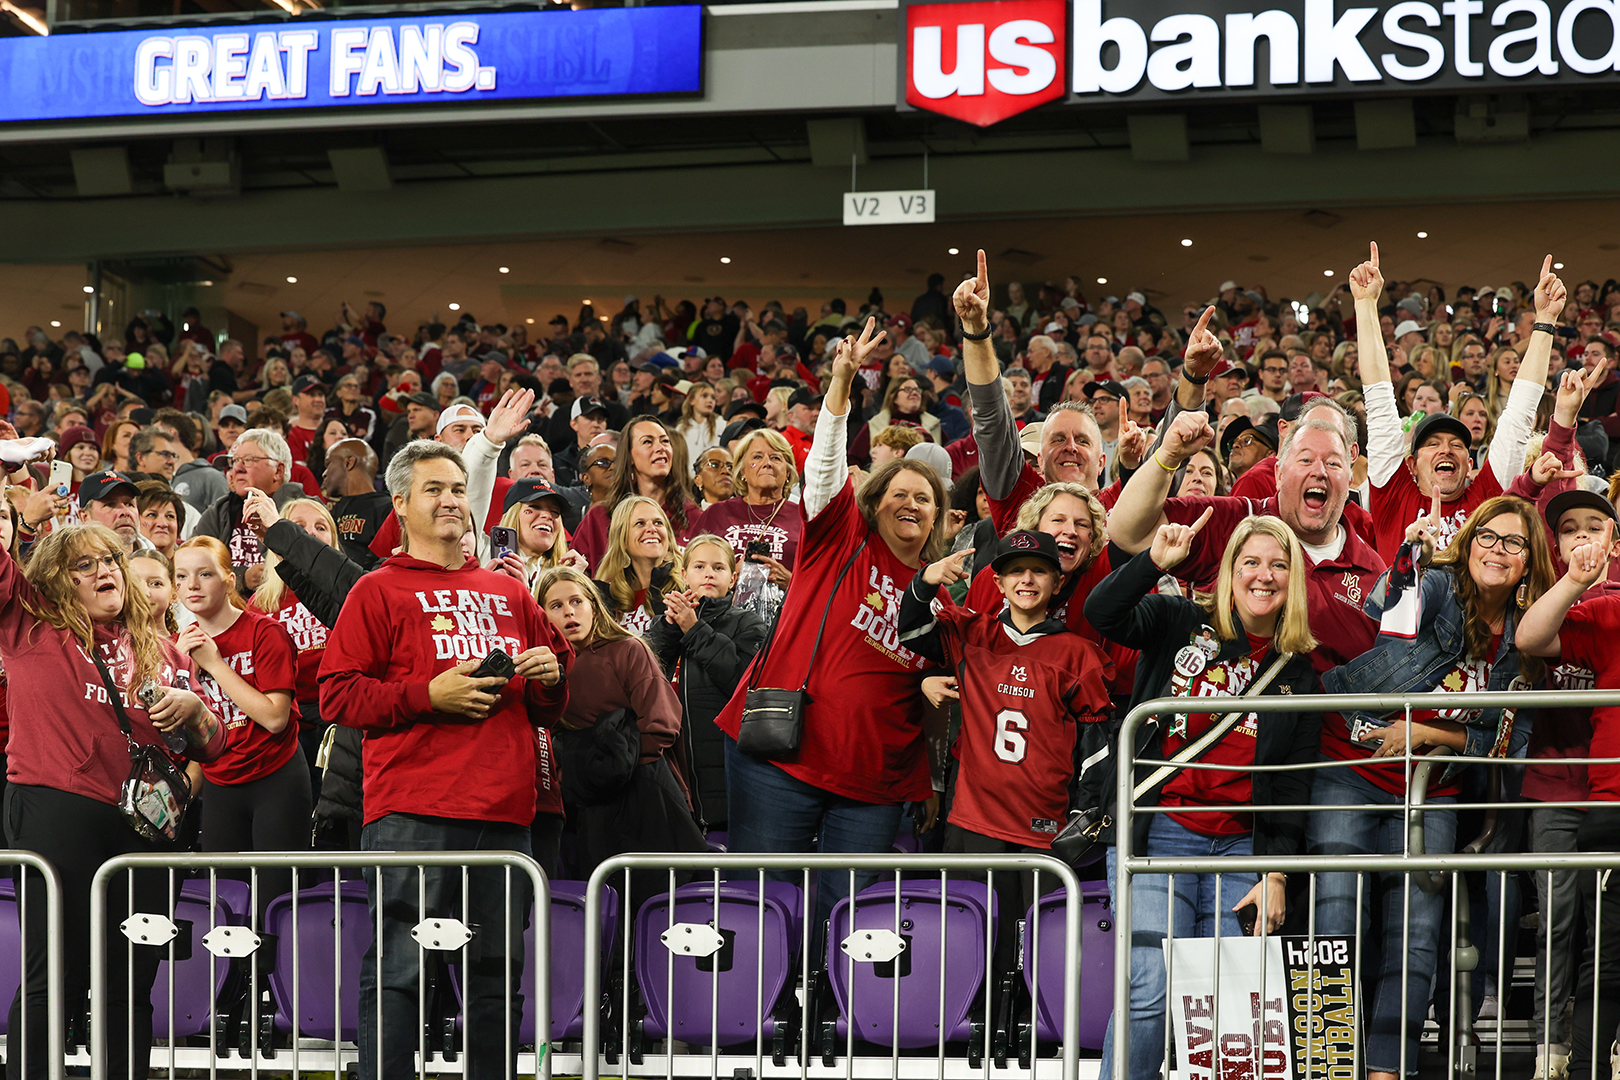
x: 985, y: 60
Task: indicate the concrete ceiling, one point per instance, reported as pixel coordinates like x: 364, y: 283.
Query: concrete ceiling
x: 1287, y: 251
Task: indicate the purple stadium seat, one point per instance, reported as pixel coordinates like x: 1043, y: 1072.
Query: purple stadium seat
x: 868, y: 1000
x: 315, y: 942
x: 566, y: 959
x: 678, y: 989
x: 194, y: 992
x: 1096, y: 963
x: 10, y: 946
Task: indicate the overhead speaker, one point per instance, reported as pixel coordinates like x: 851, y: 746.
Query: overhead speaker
x: 363, y: 168
x: 103, y: 170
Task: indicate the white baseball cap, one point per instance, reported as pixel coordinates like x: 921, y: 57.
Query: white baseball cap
x: 455, y: 414
x: 1407, y: 326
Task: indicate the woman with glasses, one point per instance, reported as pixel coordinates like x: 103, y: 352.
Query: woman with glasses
x: 1459, y: 639
x: 905, y: 402
x: 760, y: 522
x: 73, y: 626
x: 712, y: 478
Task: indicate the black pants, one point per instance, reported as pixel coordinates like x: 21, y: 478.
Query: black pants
x: 1599, y: 832
x: 1014, y: 892
x: 76, y: 835
x: 310, y: 732
x: 545, y: 837
x: 268, y: 814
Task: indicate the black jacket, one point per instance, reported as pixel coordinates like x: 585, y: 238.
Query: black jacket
x: 1124, y: 609
x: 713, y: 656
x: 321, y: 577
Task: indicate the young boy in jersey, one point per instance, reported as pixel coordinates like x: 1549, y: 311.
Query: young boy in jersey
x: 1025, y: 682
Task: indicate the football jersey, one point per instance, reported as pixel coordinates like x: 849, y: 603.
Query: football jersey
x: 1022, y: 696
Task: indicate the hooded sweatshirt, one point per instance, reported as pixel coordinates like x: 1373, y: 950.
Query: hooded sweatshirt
x: 405, y: 623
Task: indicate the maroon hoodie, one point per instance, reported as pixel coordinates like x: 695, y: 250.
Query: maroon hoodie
x: 403, y: 624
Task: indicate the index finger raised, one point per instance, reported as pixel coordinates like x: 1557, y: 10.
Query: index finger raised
x: 1434, y: 510
x: 1546, y: 266
x: 1203, y: 519
x: 983, y: 272
x: 1203, y: 320
x: 1372, y: 253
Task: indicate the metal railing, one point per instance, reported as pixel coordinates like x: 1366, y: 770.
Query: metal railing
x: 435, y: 932
x: 17, y: 1048
x: 1427, y: 871
x: 678, y: 936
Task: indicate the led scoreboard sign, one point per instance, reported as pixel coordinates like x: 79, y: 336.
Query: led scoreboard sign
x: 311, y: 63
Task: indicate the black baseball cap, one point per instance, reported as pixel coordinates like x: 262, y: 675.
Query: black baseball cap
x: 587, y: 404
x: 805, y: 396
x: 98, y: 485
x: 305, y: 384
x: 738, y: 428
x: 424, y: 399
x: 1026, y: 544
x: 1576, y: 498
x: 1433, y: 425
x: 747, y: 405
x: 1109, y: 386
x: 531, y: 490
x: 1238, y: 427
x: 1295, y: 404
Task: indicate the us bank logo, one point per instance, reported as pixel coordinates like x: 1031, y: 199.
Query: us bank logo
x: 983, y: 61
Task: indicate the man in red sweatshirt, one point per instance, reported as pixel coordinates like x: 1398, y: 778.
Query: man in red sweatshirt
x: 448, y: 758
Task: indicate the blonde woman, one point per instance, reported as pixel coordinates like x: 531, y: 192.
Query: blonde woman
x: 1502, y: 368
x: 640, y: 565
x: 1253, y: 625
x: 701, y: 422
x: 535, y: 510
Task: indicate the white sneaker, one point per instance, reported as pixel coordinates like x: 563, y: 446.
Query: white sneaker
x: 1554, y: 1066
x: 1487, y: 1008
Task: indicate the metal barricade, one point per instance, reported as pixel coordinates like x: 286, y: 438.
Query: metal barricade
x: 707, y: 924
x: 1430, y: 873
x: 18, y: 1053
x: 239, y: 943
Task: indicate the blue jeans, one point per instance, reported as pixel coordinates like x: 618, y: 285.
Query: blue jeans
x: 1194, y: 909
x: 771, y: 812
x: 500, y: 934
x: 1376, y: 832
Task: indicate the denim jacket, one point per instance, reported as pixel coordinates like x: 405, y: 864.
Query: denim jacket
x: 1398, y: 664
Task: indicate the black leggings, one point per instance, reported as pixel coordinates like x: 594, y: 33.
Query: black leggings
x: 76, y: 835
x: 271, y: 813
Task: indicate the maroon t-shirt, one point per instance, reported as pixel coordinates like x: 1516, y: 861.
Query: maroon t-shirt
x: 739, y: 523
x: 259, y: 650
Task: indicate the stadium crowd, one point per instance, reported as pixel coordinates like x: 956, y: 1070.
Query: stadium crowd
x: 788, y: 574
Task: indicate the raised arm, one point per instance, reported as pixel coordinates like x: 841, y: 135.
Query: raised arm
x: 1137, y: 515
x: 508, y: 419
x: 995, y: 431
x: 1386, y: 443
x: 1506, y: 457
x: 824, y: 472
x: 1538, y: 627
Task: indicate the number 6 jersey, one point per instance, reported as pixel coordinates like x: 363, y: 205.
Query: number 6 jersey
x: 1023, y: 695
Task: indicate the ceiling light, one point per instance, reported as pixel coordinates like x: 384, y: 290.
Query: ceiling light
x: 953, y: 251
x: 455, y: 307
x: 1102, y: 281
x: 725, y: 258
x: 506, y: 269
x: 291, y: 280
x: 529, y: 321
x: 1186, y: 243
x: 1423, y: 236
x: 586, y: 301
x: 1558, y: 266
x: 89, y: 288
x: 1327, y: 273
x: 206, y: 284
x: 56, y: 322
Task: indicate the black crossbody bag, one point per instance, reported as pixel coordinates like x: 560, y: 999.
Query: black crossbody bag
x: 773, y: 720
x: 156, y: 795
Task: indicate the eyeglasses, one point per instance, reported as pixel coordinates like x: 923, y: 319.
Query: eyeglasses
x: 601, y: 463
x: 166, y: 455
x: 1513, y: 545
x: 246, y: 462
x: 1243, y: 442
x: 90, y: 564
x: 1275, y: 370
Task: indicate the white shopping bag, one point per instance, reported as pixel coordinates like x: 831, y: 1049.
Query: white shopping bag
x: 1236, y: 1029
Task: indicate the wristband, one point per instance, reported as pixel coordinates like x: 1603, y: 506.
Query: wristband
x: 1195, y: 380
x: 985, y: 336
x: 1162, y: 465
x: 1545, y: 328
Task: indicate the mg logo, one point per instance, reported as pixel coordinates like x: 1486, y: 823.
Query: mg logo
x: 984, y: 61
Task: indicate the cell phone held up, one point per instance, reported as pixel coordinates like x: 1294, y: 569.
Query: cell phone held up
x: 495, y: 665
x: 503, y: 541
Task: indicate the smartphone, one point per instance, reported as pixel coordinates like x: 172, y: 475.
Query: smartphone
x: 61, y: 477
x: 496, y: 663
x: 149, y: 694
x: 503, y: 541
x: 1247, y: 916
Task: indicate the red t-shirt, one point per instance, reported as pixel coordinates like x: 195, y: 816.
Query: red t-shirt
x: 1022, y: 697
x: 738, y: 523
x: 308, y: 636
x: 1587, y: 638
x: 863, y: 734
x: 1259, y: 481
x: 637, y: 618
x: 1215, y: 787
x: 259, y: 650
x: 1399, y: 503
x: 299, y: 440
